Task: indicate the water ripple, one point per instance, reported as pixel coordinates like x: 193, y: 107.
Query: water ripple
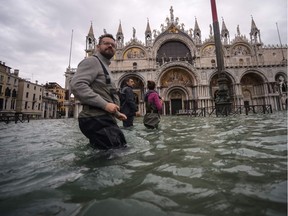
x: 189, y: 166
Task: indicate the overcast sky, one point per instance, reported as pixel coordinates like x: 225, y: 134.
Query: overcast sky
x: 35, y: 35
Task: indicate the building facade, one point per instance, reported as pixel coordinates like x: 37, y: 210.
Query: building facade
x: 50, y: 102
x: 30, y: 99
x: 60, y: 93
x: 20, y: 97
x: 8, y: 88
x: 184, y: 67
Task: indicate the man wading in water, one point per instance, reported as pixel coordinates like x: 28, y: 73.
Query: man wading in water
x: 93, y: 86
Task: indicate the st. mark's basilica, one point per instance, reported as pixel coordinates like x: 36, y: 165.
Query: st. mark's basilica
x: 184, y: 67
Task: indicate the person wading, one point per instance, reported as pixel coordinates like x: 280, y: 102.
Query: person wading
x: 128, y: 104
x: 93, y: 86
x: 153, y: 104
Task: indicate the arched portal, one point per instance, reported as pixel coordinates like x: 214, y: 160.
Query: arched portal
x: 214, y: 87
x: 177, y: 97
x: 177, y: 87
x: 253, y: 89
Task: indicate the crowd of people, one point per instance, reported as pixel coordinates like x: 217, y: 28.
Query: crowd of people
x: 102, y: 104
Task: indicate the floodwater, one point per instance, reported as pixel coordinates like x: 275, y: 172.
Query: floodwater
x: 210, y: 166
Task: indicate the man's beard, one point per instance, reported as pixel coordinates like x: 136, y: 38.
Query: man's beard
x: 108, y: 53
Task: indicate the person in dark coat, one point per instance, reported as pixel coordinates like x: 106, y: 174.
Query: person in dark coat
x: 128, y: 104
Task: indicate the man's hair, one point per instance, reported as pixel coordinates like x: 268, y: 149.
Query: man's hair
x: 127, y: 79
x: 151, y: 85
x: 105, y: 35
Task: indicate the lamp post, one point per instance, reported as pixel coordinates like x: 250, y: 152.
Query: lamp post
x: 222, y: 101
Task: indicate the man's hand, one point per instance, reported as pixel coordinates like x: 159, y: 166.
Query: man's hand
x: 120, y: 116
x: 111, y: 108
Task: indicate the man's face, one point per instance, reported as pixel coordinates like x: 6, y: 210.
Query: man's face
x: 130, y: 82
x: 107, y: 47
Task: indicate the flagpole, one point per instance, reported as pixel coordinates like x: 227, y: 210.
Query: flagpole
x: 70, y: 49
x: 280, y: 41
x: 222, y: 100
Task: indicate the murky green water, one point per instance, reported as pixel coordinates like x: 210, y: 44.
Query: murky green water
x: 190, y: 166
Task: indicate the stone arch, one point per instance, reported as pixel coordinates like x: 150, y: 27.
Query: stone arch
x: 240, y: 49
x: 173, y: 50
x: 172, y: 37
x: 134, y: 52
x: 281, y: 82
x: 283, y: 74
x: 262, y: 77
x: 178, y: 64
x: 208, y: 50
x: 213, y: 83
x: 176, y: 99
x: 254, y: 83
x: 177, y: 85
x: 176, y: 74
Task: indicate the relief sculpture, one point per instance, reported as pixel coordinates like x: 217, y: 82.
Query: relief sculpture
x: 176, y: 77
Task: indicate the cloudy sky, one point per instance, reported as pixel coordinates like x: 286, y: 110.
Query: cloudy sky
x: 35, y: 35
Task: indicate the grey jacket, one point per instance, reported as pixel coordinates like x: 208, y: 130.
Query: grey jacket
x: 89, y: 86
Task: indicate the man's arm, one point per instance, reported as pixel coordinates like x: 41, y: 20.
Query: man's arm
x: 87, y: 72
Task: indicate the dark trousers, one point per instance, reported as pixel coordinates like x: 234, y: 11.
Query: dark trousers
x: 128, y: 122
x: 102, y: 131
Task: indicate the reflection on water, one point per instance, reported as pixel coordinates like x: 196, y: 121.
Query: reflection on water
x: 190, y: 166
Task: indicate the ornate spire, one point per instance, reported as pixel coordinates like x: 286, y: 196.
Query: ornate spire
x: 197, y: 32
x: 120, y: 37
x: 253, y: 25
x: 148, y: 29
x: 148, y: 34
x: 91, y: 33
x: 90, y: 42
x: 224, y: 33
x: 196, y: 26
x: 120, y: 29
x: 255, y: 33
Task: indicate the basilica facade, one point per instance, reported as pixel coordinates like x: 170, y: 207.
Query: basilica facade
x: 184, y: 67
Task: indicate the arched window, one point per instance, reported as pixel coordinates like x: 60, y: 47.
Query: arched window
x: 174, y: 51
x: 14, y: 93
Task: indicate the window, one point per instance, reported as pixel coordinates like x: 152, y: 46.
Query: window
x: 14, y: 93
x: 213, y: 63
x: 173, y: 51
x: 241, y: 62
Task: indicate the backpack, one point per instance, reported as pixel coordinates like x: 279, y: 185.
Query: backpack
x: 122, y: 96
